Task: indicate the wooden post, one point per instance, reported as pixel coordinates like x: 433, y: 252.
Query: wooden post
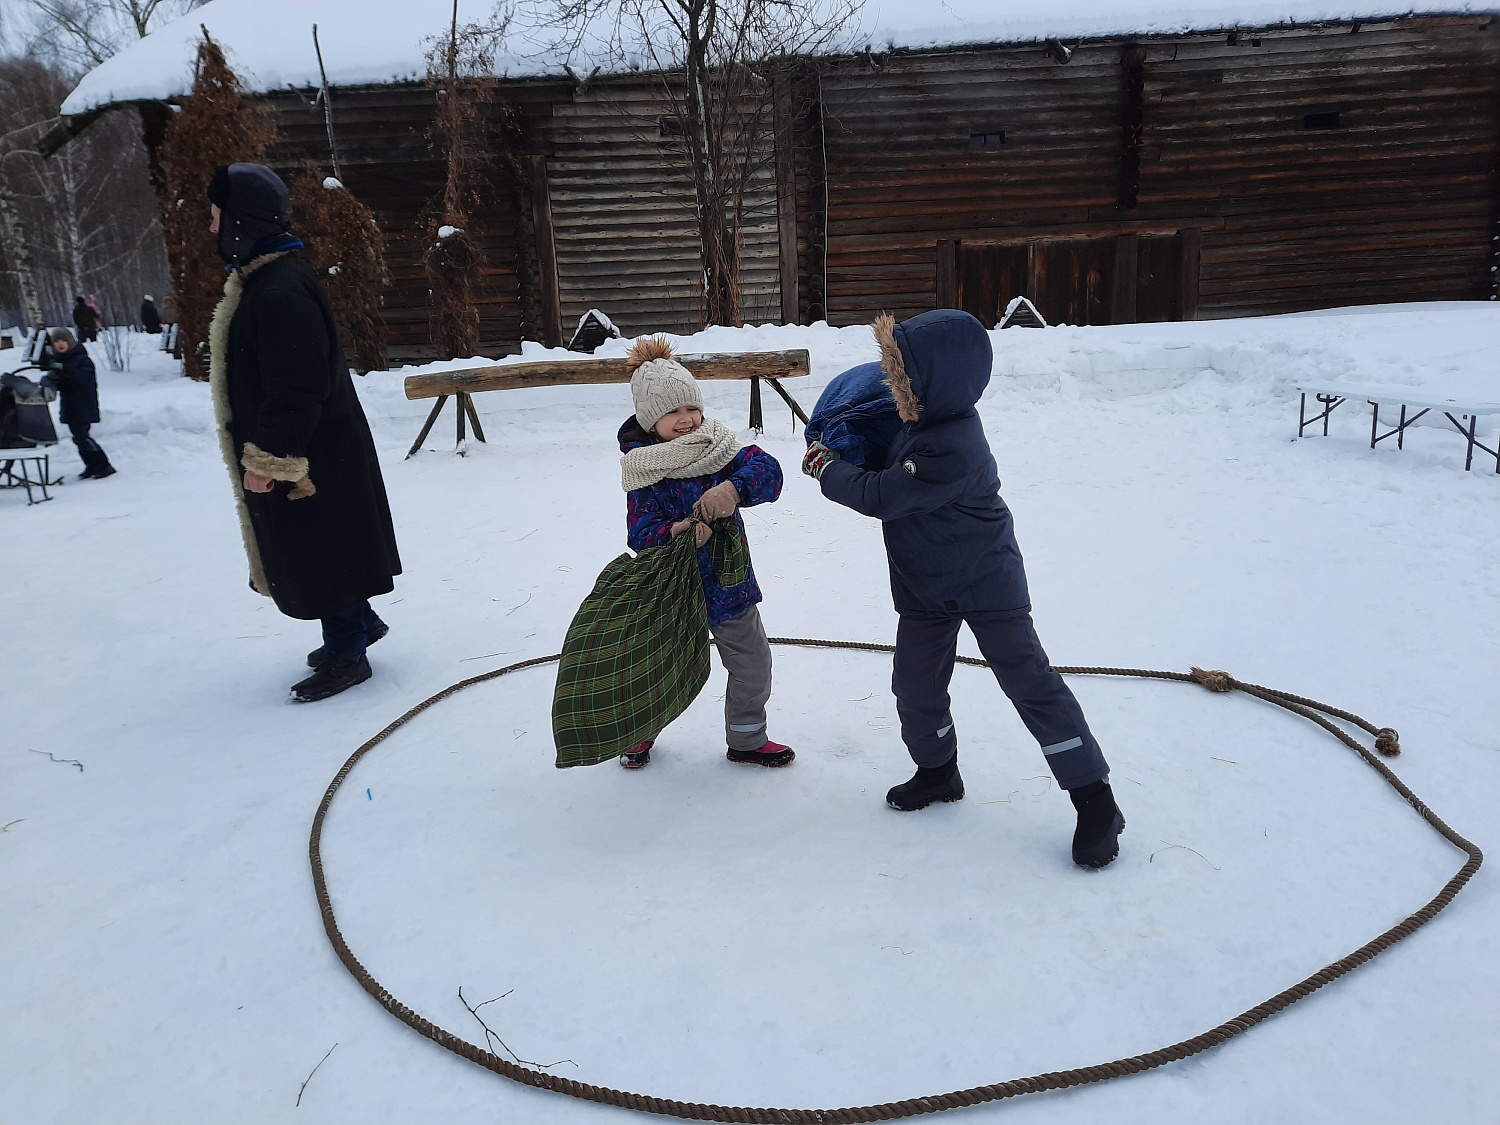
x: 546, y: 251
x: 786, y: 199
x: 1187, y: 301
x: 948, y: 296
x: 1122, y: 306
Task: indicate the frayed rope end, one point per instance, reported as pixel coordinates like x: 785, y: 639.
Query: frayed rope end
x: 1213, y: 680
x: 1387, y: 742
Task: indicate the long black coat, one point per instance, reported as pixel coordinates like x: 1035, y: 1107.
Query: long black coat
x: 290, y: 394
x: 77, y: 387
x: 150, y: 317
x: 949, y: 536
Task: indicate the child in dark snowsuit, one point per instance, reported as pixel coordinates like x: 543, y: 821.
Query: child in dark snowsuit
x: 954, y: 560
x: 678, y: 465
x: 77, y: 385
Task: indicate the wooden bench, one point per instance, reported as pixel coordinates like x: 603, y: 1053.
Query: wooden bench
x: 462, y: 383
x: 1406, y: 399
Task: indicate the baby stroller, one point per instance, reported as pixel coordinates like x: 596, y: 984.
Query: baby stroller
x: 25, y: 416
x: 25, y: 429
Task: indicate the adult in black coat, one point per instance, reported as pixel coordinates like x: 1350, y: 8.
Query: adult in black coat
x: 71, y: 373
x: 313, y: 510
x: 150, y: 317
x: 86, y: 320
x: 951, y: 545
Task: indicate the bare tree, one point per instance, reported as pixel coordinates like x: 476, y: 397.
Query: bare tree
x: 81, y: 34
x: 716, y: 64
x: 79, y: 222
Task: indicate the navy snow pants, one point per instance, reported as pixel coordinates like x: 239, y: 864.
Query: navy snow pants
x: 925, y: 649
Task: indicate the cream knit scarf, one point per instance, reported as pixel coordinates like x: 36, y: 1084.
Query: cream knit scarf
x: 704, y: 451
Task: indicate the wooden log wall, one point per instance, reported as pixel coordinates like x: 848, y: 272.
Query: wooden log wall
x: 622, y: 212
x: 389, y: 165
x: 1323, y: 166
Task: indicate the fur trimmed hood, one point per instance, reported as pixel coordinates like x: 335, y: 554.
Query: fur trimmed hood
x: 936, y: 364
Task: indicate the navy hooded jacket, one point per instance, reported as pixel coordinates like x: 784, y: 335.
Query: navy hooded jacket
x: 949, y: 537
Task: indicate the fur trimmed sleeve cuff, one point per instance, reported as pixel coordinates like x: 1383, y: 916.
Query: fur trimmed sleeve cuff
x: 293, y: 469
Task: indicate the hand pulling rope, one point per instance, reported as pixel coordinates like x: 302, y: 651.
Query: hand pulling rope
x: 1386, y: 742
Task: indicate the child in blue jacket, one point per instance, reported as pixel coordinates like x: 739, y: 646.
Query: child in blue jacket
x: 678, y: 464
x: 954, y: 560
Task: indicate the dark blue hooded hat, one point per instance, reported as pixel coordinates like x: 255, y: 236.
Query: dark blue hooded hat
x: 937, y: 364
x: 255, y: 212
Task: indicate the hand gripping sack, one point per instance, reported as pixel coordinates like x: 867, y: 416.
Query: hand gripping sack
x: 636, y: 653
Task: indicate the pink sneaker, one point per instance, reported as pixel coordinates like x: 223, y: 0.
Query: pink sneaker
x: 638, y: 756
x: 769, y: 754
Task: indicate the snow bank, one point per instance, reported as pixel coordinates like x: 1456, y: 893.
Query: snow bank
x: 269, y: 42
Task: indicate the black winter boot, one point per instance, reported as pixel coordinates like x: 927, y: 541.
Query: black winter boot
x: 337, y: 673
x: 315, y: 657
x: 1096, y: 841
x: 938, y: 783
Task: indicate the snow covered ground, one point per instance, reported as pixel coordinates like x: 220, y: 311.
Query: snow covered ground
x: 706, y: 932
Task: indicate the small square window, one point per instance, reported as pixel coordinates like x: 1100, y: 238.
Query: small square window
x: 1320, y: 121
x: 986, y: 140
x: 671, y: 127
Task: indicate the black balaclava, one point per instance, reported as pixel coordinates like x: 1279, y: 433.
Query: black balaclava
x: 254, y: 208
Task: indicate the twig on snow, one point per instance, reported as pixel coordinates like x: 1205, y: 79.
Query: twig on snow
x: 6, y: 827
x: 61, y: 761
x: 314, y: 1070
x: 513, y: 608
x: 1185, y: 848
x: 490, y: 1038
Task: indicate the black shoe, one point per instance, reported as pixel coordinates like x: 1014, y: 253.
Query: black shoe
x: 938, y: 783
x: 1096, y: 842
x: 87, y: 474
x: 336, y: 674
x: 772, y: 754
x: 100, y: 473
x: 315, y: 657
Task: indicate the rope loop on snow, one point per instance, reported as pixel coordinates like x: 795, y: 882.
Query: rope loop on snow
x: 1386, y: 742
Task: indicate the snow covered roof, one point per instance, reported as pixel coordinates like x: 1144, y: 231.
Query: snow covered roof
x: 269, y: 42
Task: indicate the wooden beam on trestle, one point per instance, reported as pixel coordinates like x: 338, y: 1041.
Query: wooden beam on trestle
x: 568, y: 372
x: 464, y: 382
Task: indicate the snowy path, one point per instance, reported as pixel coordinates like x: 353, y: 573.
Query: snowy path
x: 706, y: 932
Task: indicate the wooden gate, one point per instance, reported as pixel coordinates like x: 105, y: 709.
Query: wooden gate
x: 1091, y: 279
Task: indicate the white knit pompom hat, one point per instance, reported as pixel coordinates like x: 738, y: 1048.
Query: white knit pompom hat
x: 658, y: 383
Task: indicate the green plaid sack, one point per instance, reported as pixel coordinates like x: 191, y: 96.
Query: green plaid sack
x: 636, y: 654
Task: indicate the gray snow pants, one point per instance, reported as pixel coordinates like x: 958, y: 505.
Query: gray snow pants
x: 925, y: 648
x: 746, y: 655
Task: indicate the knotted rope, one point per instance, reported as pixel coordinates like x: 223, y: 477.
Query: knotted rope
x: 1386, y: 742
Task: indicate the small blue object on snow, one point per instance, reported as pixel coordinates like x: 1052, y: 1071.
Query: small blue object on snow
x: 856, y: 417
x: 367, y: 796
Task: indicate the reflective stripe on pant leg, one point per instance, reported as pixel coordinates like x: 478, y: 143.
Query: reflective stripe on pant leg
x: 1045, y: 703
x: 920, y: 674
x: 746, y: 655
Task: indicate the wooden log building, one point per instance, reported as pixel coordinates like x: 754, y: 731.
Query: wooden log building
x: 1207, y: 174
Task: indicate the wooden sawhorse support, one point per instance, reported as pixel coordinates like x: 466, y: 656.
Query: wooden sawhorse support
x: 465, y: 409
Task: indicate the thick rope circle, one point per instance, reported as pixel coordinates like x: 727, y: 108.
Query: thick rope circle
x: 1386, y: 742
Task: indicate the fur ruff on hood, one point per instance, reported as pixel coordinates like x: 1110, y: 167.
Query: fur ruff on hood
x: 255, y: 459
x: 895, y: 369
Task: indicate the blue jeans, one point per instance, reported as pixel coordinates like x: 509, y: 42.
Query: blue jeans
x: 348, y: 632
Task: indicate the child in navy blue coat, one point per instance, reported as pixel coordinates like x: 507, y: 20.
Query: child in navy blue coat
x: 954, y: 560
x: 678, y: 469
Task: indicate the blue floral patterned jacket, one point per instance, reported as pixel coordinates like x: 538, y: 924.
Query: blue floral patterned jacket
x: 650, y: 513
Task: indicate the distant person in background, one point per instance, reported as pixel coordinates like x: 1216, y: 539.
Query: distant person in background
x: 313, y: 512
x: 86, y: 320
x: 71, y: 374
x: 150, y: 318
